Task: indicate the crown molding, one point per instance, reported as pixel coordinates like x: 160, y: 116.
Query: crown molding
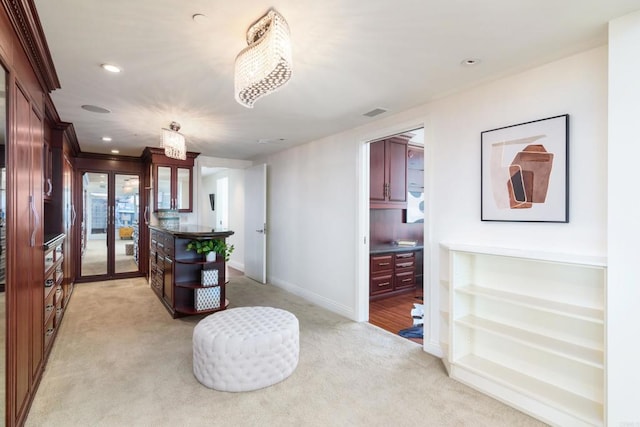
x: 26, y: 24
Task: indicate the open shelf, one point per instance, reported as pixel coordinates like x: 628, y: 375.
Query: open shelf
x: 188, y: 309
x: 550, y: 306
x: 579, y: 353
x: 194, y: 285
x: 530, y: 330
x: 588, y: 411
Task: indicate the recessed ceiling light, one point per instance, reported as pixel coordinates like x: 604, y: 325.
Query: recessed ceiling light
x: 111, y: 68
x: 115, y: 151
x: 106, y: 139
x: 95, y: 109
x: 470, y: 62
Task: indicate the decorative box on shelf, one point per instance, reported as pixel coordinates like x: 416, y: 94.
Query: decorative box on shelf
x: 207, y: 298
x: 209, y: 277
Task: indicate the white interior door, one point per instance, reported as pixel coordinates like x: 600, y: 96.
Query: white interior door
x: 255, y: 216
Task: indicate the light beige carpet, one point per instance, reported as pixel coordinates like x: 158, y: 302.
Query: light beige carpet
x: 121, y: 360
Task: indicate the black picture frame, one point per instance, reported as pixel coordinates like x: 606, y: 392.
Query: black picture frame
x: 525, y: 172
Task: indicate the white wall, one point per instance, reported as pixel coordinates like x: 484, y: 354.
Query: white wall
x: 623, y: 288
x: 202, y: 209
x: 318, y: 199
x: 311, y: 218
x: 315, y: 208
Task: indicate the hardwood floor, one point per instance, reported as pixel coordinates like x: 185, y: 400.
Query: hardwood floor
x: 393, y: 314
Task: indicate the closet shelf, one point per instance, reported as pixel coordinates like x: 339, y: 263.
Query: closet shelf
x: 579, y: 353
x: 579, y: 312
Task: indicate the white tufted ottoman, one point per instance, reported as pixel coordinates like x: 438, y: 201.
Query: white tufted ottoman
x: 245, y: 348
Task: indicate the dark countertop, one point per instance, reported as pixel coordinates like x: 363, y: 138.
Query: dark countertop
x: 190, y: 231
x: 390, y: 247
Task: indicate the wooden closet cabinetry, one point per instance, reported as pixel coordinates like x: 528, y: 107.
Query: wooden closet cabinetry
x: 54, y: 298
x: 388, y: 173
x: 176, y: 274
x: 172, y: 180
x: 392, y: 273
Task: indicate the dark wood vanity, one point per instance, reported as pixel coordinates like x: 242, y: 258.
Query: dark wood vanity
x: 176, y: 274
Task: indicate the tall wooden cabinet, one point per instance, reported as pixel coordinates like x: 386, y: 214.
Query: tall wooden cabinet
x: 25, y: 232
x: 29, y: 171
x: 172, y: 185
x: 388, y: 173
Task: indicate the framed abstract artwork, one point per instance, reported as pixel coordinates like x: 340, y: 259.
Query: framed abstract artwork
x: 525, y: 171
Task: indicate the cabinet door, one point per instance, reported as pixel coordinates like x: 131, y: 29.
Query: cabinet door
x: 377, y: 182
x: 183, y: 190
x: 163, y: 196
x: 168, y: 281
x: 397, y: 170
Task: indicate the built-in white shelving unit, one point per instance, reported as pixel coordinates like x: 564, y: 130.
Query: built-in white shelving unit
x: 528, y: 328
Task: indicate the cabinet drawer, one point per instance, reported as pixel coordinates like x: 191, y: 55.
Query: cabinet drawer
x: 49, y: 329
x: 405, y: 279
x: 58, y: 296
x: 381, y: 284
x: 403, y: 256
x: 49, y: 306
x: 381, y: 263
x: 405, y: 260
x: 169, y: 245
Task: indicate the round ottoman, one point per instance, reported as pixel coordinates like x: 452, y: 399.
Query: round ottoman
x: 245, y: 348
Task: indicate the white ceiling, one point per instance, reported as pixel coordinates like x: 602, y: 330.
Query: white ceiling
x: 349, y: 57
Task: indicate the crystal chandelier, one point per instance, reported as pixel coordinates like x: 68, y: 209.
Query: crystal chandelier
x: 265, y: 65
x: 173, y: 142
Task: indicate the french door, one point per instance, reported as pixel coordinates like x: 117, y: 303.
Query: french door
x: 110, y: 218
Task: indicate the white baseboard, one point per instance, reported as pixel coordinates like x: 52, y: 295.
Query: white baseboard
x: 433, y: 349
x: 236, y: 265
x: 318, y: 300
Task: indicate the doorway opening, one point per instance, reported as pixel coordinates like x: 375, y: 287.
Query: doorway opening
x: 396, y: 233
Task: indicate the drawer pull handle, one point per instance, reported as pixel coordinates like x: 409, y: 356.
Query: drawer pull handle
x: 49, y: 332
x: 383, y: 284
x: 49, y: 307
x: 404, y: 264
x: 58, y: 310
x: 383, y: 263
x: 406, y: 280
x: 404, y: 255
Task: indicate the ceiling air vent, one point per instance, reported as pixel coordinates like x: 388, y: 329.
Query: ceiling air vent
x: 375, y: 112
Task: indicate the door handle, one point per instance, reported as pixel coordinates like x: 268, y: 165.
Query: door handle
x: 36, y: 222
x: 263, y: 229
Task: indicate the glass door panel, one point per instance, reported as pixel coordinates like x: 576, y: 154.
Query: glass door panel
x: 95, y: 220
x: 163, y: 188
x: 126, y: 214
x: 183, y: 193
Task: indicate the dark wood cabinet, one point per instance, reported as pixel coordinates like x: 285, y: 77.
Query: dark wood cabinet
x: 415, y: 169
x: 392, y: 273
x: 177, y: 275
x: 388, y: 173
x: 172, y: 180
x: 54, y: 298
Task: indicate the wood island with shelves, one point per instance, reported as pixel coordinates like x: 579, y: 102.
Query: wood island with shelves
x: 176, y: 274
